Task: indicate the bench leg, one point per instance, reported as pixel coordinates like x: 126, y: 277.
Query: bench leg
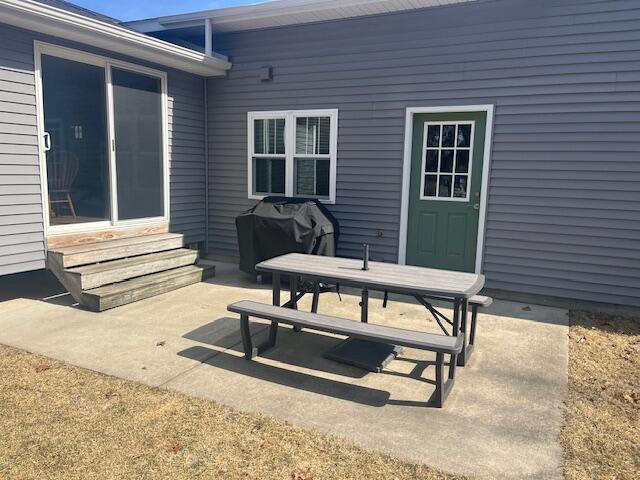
x: 245, y: 332
x: 443, y: 387
x: 474, y: 318
x: 250, y: 352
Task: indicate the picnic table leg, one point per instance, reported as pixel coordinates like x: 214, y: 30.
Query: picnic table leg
x: 316, y: 297
x: 456, y: 317
x: 273, y: 328
x: 466, y: 352
x: 293, y: 293
x: 364, y: 304
x: 276, y: 289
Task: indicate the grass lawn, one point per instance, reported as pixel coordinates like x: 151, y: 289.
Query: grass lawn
x: 601, y: 436
x: 59, y: 421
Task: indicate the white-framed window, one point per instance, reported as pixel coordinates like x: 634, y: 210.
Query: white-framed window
x: 293, y: 153
x: 447, y: 157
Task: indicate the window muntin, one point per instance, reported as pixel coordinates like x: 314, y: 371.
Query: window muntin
x: 293, y: 153
x: 446, y: 161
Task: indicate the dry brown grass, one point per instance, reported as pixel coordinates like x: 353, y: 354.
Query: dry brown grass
x: 601, y: 436
x: 59, y: 421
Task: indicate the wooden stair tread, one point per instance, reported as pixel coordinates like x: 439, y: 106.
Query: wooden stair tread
x: 115, y: 243
x: 129, y: 291
x: 114, y: 249
x: 129, y: 262
x: 127, y: 285
x: 98, y: 274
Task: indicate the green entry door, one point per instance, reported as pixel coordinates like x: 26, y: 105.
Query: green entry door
x: 446, y: 178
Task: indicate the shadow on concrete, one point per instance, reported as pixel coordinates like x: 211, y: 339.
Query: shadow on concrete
x: 301, y: 381
x: 302, y: 349
x: 36, y: 285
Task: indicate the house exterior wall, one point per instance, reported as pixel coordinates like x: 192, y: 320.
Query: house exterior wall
x: 22, y: 245
x: 563, y: 214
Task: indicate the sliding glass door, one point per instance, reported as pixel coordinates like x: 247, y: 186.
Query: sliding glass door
x: 103, y: 139
x: 137, y: 113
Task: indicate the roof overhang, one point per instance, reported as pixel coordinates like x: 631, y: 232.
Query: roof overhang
x: 71, y: 26
x: 277, y: 13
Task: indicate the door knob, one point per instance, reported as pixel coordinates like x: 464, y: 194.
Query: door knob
x: 475, y: 206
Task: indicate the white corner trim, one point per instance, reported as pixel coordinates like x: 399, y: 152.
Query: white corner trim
x: 54, y: 21
x: 406, y: 174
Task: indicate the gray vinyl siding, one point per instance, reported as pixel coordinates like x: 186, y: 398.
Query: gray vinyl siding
x: 21, y: 217
x: 21, y: 221
x: 186, y: 155
x: 563, y: 213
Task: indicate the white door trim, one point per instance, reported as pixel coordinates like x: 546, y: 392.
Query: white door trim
x: 406, y: 173
x: 107, y: 63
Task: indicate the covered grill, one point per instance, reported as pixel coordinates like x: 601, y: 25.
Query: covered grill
x: 279, y: 225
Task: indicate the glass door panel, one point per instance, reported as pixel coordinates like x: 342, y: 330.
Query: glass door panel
x: 75, y: 123
x: 137, y: 114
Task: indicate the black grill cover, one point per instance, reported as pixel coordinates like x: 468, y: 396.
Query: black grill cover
x: 279, y: 225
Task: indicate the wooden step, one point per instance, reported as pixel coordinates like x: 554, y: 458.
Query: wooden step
x: 85, y: 254
x: 129, y: 291
x: 96, y: 275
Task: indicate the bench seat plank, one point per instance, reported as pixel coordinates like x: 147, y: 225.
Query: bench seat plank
x: 396, y: 336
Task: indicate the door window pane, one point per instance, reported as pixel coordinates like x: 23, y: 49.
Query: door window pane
x: 446, y: 162
x: 448, y: 135
x: 462, y: 161
x: 430, y: 185
x: 464, y: 135
x: 433, y: 136
x: 432, y: 161
x: 460, y: 186
x: 75, y: 117
x: 444, y: 186
x: 137, y: 109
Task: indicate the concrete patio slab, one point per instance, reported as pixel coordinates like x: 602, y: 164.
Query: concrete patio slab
x: 502, y: 419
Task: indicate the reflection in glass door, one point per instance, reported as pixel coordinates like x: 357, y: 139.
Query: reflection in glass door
x: 137, y: 114
x: 75, y: 124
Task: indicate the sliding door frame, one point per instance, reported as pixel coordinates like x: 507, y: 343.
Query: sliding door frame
x: 42, y: 48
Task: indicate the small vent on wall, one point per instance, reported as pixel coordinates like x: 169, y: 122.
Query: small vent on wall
x: 266, y: 74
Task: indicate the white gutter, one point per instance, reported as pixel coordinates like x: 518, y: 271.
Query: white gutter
x: 71, y: 26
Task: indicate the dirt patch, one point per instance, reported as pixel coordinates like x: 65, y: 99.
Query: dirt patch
x: 601, y: 436
x: 59, y: 421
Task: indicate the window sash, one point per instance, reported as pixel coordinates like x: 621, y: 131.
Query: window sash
x: 291, y: 147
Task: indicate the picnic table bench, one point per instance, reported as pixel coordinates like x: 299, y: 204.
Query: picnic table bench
x: 440, y: 344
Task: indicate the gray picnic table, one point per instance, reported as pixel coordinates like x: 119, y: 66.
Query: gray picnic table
x: 424, y: 284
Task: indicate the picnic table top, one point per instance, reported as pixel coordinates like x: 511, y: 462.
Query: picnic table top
x: 380, y: 276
